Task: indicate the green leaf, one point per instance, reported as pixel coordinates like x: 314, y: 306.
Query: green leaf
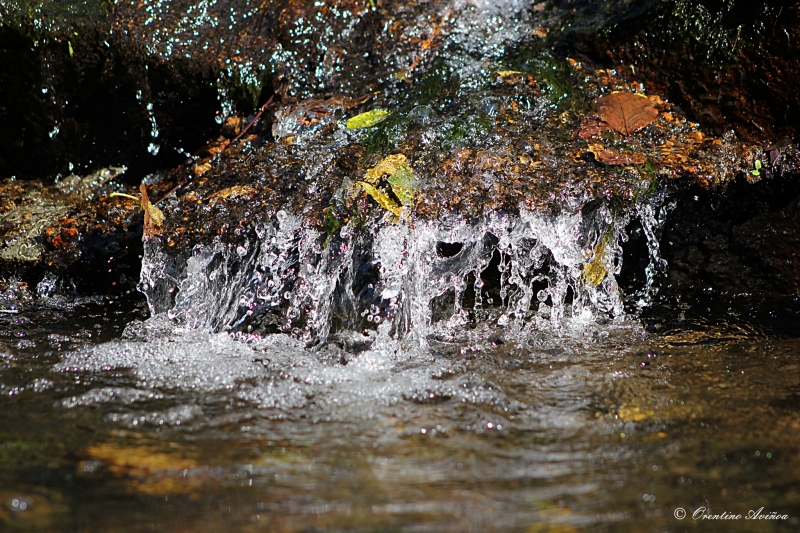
x: 403, y: 184
x: 367, y: 119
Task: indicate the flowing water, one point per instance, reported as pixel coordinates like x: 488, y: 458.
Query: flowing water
x: 482, y: 373
x: 483, y: 387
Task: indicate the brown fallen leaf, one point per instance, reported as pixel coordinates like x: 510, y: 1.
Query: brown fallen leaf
x: 590, y: 127
x: 146, y: 470
x: 310, y: 117
x: 616, y: 158
x: 626, y: 112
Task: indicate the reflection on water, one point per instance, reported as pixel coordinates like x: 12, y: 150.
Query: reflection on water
x: 611, y: 428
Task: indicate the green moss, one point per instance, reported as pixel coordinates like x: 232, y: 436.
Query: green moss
x: 470, y: 127
x: 553, y: 73
x: 244, y: 88
x: 435, y: 85
x: 385, y: 135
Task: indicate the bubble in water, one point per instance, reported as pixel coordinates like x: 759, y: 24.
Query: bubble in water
x: 542, y: 295
x: 422, y: 115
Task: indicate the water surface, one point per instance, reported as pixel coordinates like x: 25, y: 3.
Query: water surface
x: 591, y: 428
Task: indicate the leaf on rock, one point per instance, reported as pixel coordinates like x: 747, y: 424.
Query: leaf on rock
x: 403, y: 184
x: 389, y: 165
x: 610, y: 157
x: 237, y: 191
x: 153, y: 217
x: 626, y: 112
x: 201, y: 168
x: 383, y: 199
x: 400, y: 178
x: 367, y: 119
x: 590, y: 127
x: 506, y: 73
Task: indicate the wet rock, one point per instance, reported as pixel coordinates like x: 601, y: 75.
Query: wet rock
x: 738, y: 244
x: 71, y: 233
x: 728, y: 65
x: 75, y: 97
x: 493, y: 125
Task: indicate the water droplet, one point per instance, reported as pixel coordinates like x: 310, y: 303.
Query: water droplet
x: 542, y: 295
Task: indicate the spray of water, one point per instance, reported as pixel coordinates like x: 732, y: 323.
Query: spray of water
x: 520, y: 272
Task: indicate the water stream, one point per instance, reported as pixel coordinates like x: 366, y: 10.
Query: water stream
x: 435, y: 397
x: 402, y: 373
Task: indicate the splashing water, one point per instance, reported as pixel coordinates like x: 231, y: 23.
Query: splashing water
x: 394, y: 279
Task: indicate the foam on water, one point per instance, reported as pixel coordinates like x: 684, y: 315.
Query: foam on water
x: 291, y: 322
x: 182, y: 359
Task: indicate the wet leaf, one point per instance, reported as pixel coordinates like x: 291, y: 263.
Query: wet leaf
x: 403, y: 184
x: 635, y: 414
x: 541, y: 31
x: 311, y: 117
x: 201, y: 168
x: 506, y: 73
x: 594, y: 272
x: 388, y: 165
x: 400, y: 178
x: 610, y: 157
x: 153, y: 217
x: 146, y: 470
x: 383, y: 199
x: 590, y: 127
x: 626, y: 112
x: 368, y: 119
x: 141, y: 460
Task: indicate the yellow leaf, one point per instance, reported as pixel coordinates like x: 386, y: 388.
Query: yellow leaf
x: 237, y: 191
x: 382, y: 198
x: 389, y: 165
x: 146, y: 470
x: 201, y: 168
x: 399, y: 177
x: 153, y: 217
x: 368, y: 119
x: 594, y: 272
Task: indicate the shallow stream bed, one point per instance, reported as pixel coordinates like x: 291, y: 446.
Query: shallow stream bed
x: 592, y: 428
